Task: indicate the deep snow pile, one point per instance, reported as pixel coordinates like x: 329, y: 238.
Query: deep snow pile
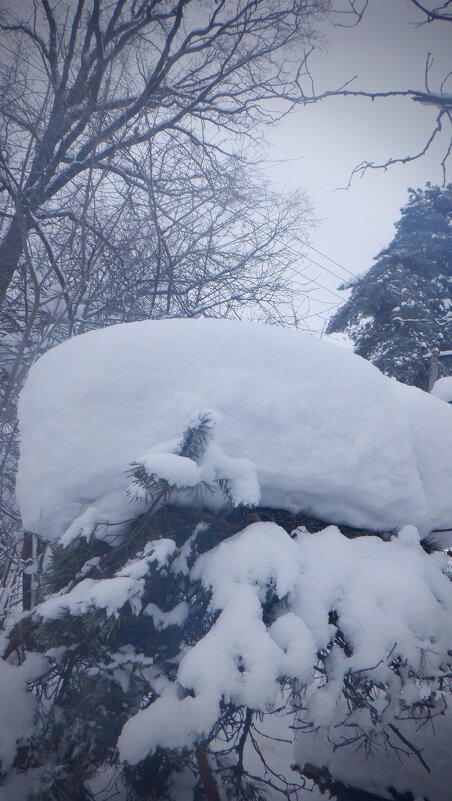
x: 298, y: 424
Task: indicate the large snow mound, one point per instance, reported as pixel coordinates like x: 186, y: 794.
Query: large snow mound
x: 297, y: 424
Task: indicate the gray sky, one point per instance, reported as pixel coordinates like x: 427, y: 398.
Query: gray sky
x: 387, y: 51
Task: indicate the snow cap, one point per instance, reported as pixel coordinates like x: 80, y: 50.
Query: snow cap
x: 297, y: 423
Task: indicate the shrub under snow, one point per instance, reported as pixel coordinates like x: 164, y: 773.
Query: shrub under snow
x: 175, y: 617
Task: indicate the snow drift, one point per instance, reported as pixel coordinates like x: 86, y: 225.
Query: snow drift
x: 297, y: 424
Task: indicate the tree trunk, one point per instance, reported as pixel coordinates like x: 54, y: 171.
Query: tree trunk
x: 11, y: 250
x: 27, y: 578
x: 206, y: 775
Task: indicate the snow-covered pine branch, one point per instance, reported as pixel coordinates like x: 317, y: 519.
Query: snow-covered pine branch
x: 191, y: 643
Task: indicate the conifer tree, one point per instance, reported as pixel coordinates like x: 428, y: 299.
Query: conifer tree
x: 115, y: 614
x: 163, y: 645
x: 402, y: 307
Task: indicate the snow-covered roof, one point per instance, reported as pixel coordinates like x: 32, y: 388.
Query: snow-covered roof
x: 443, y: 388
x: 297, y: 423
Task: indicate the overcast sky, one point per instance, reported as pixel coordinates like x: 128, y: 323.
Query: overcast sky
x: 387, y: 51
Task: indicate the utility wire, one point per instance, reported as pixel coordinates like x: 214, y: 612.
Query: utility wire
x: 322, y: 267
x: 324, y: 311
x: 325, y: 288
x: 312, y: 280
x: 331, y: 260
x: 324, y: 255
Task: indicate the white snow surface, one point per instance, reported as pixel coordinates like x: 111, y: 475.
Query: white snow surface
x: 175, y: 617
x: 127, y: 585
x: 392, y: 600
x: 443, y: 388
x: 179, y: 470
x: 297, y: 423
x: 17, y: 706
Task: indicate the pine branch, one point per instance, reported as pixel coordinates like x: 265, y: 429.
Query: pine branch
x: 196, y: 437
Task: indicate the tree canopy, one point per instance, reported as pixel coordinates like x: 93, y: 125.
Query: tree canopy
x: 401, y: 308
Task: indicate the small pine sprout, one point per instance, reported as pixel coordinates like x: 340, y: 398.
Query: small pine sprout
x: 152, y: 488
x: 225, y: 487
x: 146, y: 484
x: 196, y: 437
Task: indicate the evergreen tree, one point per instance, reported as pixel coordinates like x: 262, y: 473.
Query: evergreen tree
x: 107, y: 641
x: 165, y: 647
x: 402, y: 306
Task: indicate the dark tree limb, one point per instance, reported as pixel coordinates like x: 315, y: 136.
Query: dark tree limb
x: 206, y: 775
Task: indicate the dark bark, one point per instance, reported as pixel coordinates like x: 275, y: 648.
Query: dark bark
x: 206, y: 775
x: 11, y: 250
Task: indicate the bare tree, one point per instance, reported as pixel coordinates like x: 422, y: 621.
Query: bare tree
x: 199, y: 236
x: 433, y: 12
x: 182, y: 231
x: 438, y: 97
x: 123, y: 192
x: 91, y: 81
x: 84, y: 85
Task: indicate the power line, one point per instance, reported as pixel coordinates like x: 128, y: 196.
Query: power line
x: 322, y: 267
x: 312, y: 280
x: 324, y: 255
x: 331, y: 260
x: 325, y: 288
x: 320, y: 313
